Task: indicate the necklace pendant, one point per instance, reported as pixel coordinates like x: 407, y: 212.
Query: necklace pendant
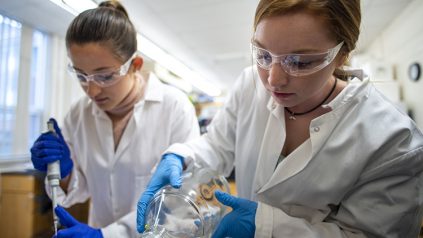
x: 292, y: 117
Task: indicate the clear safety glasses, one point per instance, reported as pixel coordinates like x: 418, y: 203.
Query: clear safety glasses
x: 295, y: 64
x: 102, y: 79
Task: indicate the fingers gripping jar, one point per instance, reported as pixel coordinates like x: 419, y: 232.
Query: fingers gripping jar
x: 191, y: 211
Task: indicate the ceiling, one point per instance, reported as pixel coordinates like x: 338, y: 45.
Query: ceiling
x: 209, y: 36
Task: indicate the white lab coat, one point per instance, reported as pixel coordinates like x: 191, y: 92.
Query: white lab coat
x: 358, y: 175
x: 114, y: 180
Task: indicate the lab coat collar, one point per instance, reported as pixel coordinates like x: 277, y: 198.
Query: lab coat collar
x: 271, y: 104
x: 355, y: 86
x: 154, y: 90
x: 320, y: 128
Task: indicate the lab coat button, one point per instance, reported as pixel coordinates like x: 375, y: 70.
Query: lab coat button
x: 316, y: 129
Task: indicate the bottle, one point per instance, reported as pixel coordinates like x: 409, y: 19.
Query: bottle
x: 190, y: 211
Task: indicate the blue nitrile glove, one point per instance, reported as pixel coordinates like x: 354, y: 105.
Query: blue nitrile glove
x: 168, y: 171
x: 240, y: 222
x: 74, y: 229
x: 49, y: 148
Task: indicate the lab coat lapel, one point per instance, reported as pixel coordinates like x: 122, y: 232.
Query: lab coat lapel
x: 295, y: 162
x: 130, y: 130
x: 126, y: 139
x: 271, y: 147
x: 105, y: 134
x: 290, y: 166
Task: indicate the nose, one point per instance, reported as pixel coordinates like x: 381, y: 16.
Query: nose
x: 92, y: 89
x: 277, y: 76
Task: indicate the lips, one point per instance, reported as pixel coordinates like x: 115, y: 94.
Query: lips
x: 283, y: 95
x: 100, y: 100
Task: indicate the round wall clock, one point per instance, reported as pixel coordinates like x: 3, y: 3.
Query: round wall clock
x: 414, y: 71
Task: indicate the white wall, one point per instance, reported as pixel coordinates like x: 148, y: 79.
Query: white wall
x: 400, y: 45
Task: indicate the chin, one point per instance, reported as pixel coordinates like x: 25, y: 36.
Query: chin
x: 105, y: 107
x: 281, y: 102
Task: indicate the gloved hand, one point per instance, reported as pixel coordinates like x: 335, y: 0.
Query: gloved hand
x: 168, y: 171
x: 240, y: 222
x: 49, y: 148
x: 74, y: 229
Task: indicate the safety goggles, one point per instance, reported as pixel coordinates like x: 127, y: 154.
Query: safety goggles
x: 102, y: 79
x: 295, y: 64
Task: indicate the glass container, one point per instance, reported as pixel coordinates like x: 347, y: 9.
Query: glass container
x: 191, y: 211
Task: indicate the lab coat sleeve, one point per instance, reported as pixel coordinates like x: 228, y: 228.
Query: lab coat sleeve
x: 184, y: 121
x: 385, y: 203
x: 77, y: 191
x: 215, y: 149
x: 124, y: 227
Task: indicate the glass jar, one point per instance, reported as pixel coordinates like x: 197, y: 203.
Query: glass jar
x: 191, y: 211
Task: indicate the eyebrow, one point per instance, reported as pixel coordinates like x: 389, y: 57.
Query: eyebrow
x: 301, y: 51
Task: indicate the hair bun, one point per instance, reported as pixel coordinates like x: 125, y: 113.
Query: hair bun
x: 114, y: 4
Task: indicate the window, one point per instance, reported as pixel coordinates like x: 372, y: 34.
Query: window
x: 10, y: 39
x: 22, y: 87
x: 38, y: 82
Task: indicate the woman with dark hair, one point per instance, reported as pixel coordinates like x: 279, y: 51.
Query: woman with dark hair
x: 318, y: 151
x: 113, y: 137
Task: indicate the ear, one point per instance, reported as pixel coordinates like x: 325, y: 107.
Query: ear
x: 137, y: 63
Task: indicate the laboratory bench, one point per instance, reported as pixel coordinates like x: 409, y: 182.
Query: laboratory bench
x: 25, y: 209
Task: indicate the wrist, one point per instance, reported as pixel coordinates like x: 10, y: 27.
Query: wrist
x: 176, y: 157
x: 100, y: 233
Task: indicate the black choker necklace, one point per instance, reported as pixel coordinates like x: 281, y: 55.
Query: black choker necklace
x: 293, y: 114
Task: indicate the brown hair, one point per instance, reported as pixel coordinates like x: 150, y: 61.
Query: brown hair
x: 343, y: 17
x: 107, y: 24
